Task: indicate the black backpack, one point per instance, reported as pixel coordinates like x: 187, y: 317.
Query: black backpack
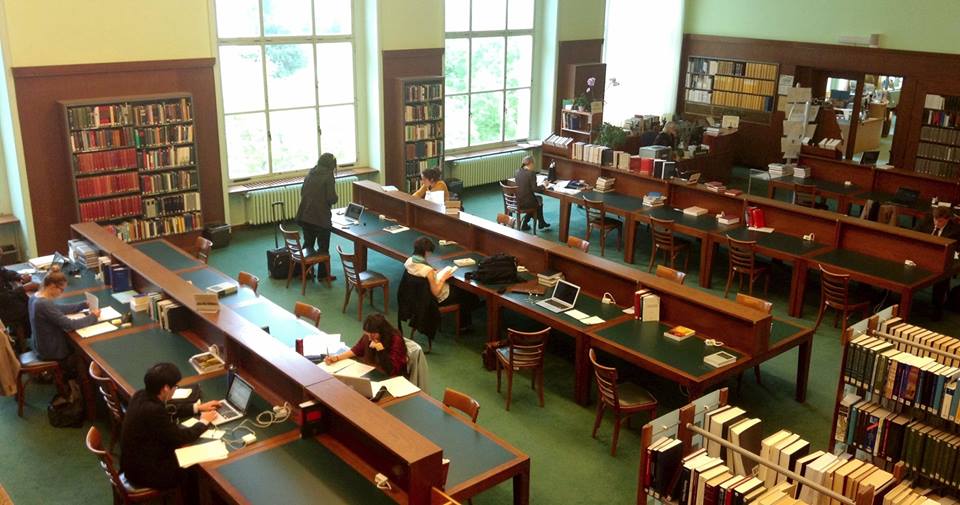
x: 67, y: 411
x: 497, y: 269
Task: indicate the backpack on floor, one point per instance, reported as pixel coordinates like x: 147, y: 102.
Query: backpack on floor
x: 67, y: 411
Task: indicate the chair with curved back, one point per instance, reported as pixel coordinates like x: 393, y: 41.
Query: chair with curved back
x: 303, y: 257
x: 524, y: 351
x: 805, y: 195
x: 308, y: 312
x: 512, y: 209
x: 123, y: 491
x: 758, y: 304
x: 578, y: 243
x: 111, y: 397
x: 32, y: 366
x: 249, y: 280
x: 201, y: 248
x: 743, y: 262
x: 670, y: 274
x: 362, y: 282
x: 462, y: 402
x: 623, y: 399
x: 835, y: 294
x: 664, y: 240
x: 597, y: 217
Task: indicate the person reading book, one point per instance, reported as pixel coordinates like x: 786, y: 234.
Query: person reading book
x: 381, y: 345
x: 445, y: 294
x: 527, y: 198
x: 430, y: 181
x: 49, y: 323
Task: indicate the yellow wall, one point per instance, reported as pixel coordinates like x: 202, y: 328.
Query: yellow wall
x: 581, y: 19
x: 61, y: 32
x: 410, y: 24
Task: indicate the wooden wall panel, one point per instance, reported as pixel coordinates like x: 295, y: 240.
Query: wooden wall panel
x: 48, y: 170
x: 572, y: 52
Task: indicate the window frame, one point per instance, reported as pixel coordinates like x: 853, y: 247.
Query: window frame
x: 505, y: 33
x: 262, y: 42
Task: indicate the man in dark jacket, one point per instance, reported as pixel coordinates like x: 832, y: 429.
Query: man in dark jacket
x: 526, y: 193
x: 317, y: 195
x: 941, y: 224
x: 151, y: 431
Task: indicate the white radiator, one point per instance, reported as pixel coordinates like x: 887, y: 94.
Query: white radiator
x: 259, y: 203
x: 487, y: 169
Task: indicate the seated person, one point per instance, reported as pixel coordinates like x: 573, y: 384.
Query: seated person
x: 381, y: 346
x: 526, y: 193
x: 430, y: 181
x: 941, y: 224
x: 15, y: 292
x: 152, y: 431
x: 50, y: 324
x: 445, y: 294
x: 668, y: 136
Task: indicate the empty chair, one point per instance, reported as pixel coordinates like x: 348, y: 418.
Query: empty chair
x: 308, y: 312
x: 123, y: 491
x: 743, y: 262
x: 462, y: 402
x: 32, y: 367
x: 664, y: 240
x: 578, y: 243
x: 805, y: 195
x: 302, y: 257
x: 362, y: 282
x: 201, y: 249
x: 623, y: 399
x: 511, y: 208
x: 111, y: 397
x: 597, y: 217
x: 835, y: 294
x: 671, y: 274
x: 524, y: 351
x: 758, y: 304
x: 249, y: 280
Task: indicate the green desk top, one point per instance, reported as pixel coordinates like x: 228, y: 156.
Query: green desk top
x: 243, y: 294
x: 215, y: 388
x: 106, y: 299
x: 264, y: 313
x: 871, y: 265
x: 829, y: 186
x: 776, y: 241
x: 206, y: 277
x: 167, y: 255
x: 707, y: 222
x: 781, y: 330
x: 132, y: 354
x: 86, y: 279
x: 614, y: 200
x: 301, y: 471
x: 470, y: 452
x: 288, y: 330
x: 585, y: 303
x: 369, y: 222
x: 647, y: 340
x: 403, y: 242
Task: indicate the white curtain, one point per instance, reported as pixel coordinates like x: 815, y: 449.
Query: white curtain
x: 642, y: 53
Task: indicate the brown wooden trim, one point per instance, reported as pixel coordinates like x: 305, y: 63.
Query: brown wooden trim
x: 102, y: 68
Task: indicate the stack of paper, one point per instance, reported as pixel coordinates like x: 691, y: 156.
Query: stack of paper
x: 398, y: 386
x: 201, y: 453
x: 97, y: 329
x: 654, y: 199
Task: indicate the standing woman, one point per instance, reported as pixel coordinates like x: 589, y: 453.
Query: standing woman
x: 317, y: 195
x: 50, y: 323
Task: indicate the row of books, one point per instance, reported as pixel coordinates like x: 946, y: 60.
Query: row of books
x: 621, y: 160
x: 414, y: 167
x: 646, y: 305
x: 943, y: 119
x: 941, y: 135
x: 592, y: 153
x: 426, y: 112
x: 743, y: 85
x: 172, y: 204
x: 939, y: 152
x: 751, y: 102
x: 105, y: 185
x: 161, y: 113
x: 939, y: 102
x: 423, y: 92
x: 897, y: 327
x: 162, y: 135
x: 170, y: 156
x: 85, y: 140
x: 168, y: 181
x: 424, y: 149
x: 576, y: 122
x: 699, y: 81
x: 738, y: 68
x: 113, y: 208
x: 125, y: 114
x: 559, y: 142
x: 171, y: 315
x: 423, y: 131
x: 143, y: 229
x: 941, y: 169
x: 106, y: 160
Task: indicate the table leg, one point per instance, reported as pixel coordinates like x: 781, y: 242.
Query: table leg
x: 629, y: 237
x: 361, y: 253
x: 800, y: 273
x: 564, y: 219
x: 771, y: 190
x: 906, y: 299
x: 803, y: 369
x: 521, y: 487
x: 581, y: 381
x: 493, y: 319
x: 707, y: 248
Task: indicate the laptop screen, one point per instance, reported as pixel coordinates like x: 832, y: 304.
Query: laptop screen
x: 354, y: 210
x: 239, y: 394
x: 566, y: 292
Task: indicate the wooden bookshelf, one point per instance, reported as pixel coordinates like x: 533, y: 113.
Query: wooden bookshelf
x: 421, y: 122
x: 133, y: 162
x: 938, y: 150
x: 580, y: 125
x: 719, y: 86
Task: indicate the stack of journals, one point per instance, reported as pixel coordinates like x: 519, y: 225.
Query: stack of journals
x: 654, y: 199
x: 780, y: 170
x: 695, y: 211
x: 679, y: 333
x: 604, y: 184
x: 452, y: 207
x: 621, y: 160
x: 732, y: 192
x: 141, y: 302
x: 82, y: 252
x: 801, y: 172
x: 830, y: 143
x: 646, y: 305
x: 549, y: 278
x: 715, y: 186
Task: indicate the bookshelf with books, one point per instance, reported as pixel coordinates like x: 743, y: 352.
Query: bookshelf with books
x: 938, y: 150
x: 421, y: 126
x: 580, y: 125
x: 133, y: 164
x: 720, y: 86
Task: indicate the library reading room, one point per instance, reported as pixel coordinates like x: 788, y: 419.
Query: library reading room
x: 431, y: 252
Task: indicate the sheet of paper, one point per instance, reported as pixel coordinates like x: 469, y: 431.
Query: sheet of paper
x: 628, y: 310
x: 93, y: 302
x: 213, y: 434
x: 182, y: 393
x: 357, y: 369
x: 576, y: 314
x: 315, y: 345
x: 798, y: 94
x: 200, y: 453
x: 187, y: 423
x: 390, y: 188
x: 124, y: 296
x: 397, y: 228
x: 96, y: 329
x: 765, y: 229
x: 593, y: 320
x: 107, y: 313
x: 434, y: 196
x: 786, y: 82
x: 398, y: 386
x: 336, y: 366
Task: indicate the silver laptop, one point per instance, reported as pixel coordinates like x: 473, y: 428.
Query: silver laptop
x: 564, y: 297
x: 349, y: 216
x: 235, y: 405
x: 362, y: 385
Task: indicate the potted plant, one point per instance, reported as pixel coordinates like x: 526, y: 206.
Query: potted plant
x: 611, y: 136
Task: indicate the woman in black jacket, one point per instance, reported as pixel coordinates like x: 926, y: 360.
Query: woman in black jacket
x: 316, y: 197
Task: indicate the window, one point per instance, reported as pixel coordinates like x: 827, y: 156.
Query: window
x: 488, y: 69
x: 286, y: 75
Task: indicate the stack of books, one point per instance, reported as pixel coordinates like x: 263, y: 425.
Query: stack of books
x: 679, y: 333
x: 141, y: 302
x: 695, y: 211
x: 654, y: 199
x: 82, y: 252
x: 646, y: 305
x: 621, y: 160
x: 558, y: 141
x: 604, y: 184
x: 715, y: 186
x: 830, y: 143
x: 452, y: 207
x: 732, y: 192
x: 549, y: 278
x: 801, y: 172
x: 780, y: 170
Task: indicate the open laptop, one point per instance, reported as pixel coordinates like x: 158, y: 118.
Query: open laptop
x: 906, y: 196
x: 564, y: 297
x: 348, y: 217
x: 235, y: 405
x: 362, y: 385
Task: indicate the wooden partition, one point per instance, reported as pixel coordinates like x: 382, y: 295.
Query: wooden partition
x: 895, y: 244
x: 890, y: 180
x: 683, y: 195
x: 628, y: 183
x: 839, y: 171
x: 797, y: 221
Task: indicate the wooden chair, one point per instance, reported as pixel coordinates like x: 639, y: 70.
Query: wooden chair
x: 201, y: 248
x: 805, y: 195
x: 664, y: 240
x: 670, y: 274
x: 758, y: 304
x: 743, y: 262
x: 308, y: 312
x: 506, y: 220
x: 597, y: 217
x: 511, y: 208
x: 362, y: 282
x: 835, y: 294
x: 462, y: 402
x: 249, y: 280
x: 578, y: 243
x: 302, y: 257
x: 523, y: 351
x: 623, y: 399
x: 33, y: 367
x: 123, y: 491
x: 111, y: 397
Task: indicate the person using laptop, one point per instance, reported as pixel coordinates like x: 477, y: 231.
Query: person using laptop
x: 381, y: 345
x: 445, y: 294
x: 151, y: 432
x: 941, y: 224
x: 430, y: 181
x: 317, y: 196
x: 527, y: 198
x: 49, y: 323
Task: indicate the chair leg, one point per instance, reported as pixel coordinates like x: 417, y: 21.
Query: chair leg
x: 509, y: 385
x: 326, y: 280
x: 540, y: 385
x: 20, y: 394
x: 346, y: 297
x: 386, y: 298
x: 290, y: 273
x: 843, y: 328
x: 686, y: 260
x: 616, y: 432
x: 303, y: 280
x: 823, y: 308
x: 596, y: 422
x: 603, y: 241
x: 653, y: 258
x: 729, y: 282
x: 499, y: 367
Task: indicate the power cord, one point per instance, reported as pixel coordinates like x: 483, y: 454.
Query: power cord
x: 265, y: 419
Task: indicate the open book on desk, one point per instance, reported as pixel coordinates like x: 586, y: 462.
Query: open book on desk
x: 346, y: 367
x: 107, y: 313
x: 398, y: 386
